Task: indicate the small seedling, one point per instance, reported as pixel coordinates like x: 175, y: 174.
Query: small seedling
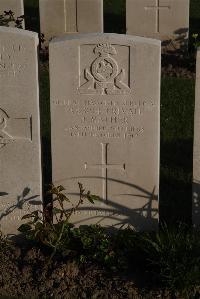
x: 39, y: 228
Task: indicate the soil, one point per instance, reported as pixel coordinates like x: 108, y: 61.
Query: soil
x: 179, y: 66
x: 27, y: 272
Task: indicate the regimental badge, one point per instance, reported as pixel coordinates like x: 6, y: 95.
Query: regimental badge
x: 104, y: 76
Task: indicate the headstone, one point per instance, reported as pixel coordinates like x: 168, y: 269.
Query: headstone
x: 196, y: 154
x: 167, y: 20
x: 105, y: 93
x: 58, y: 17
x: 20, y: 162
x: 16, y: 6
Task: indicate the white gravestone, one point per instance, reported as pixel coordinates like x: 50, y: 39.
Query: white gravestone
x: 16, y: 6
x: 20, y: 157
x: 167, y: 20
x: 105, y: 107
x: 58, y: 17
x: 196, y: 154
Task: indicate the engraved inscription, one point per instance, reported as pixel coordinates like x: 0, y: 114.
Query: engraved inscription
x: 95, y: 118
x: 13, y: 211
x: 104, y: 76
x: 105, y: 166
x: 12, y: 61
x: 14, y: 129
x: 98, y: 213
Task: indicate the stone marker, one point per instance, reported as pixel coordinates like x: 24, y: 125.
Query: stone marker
x: 20, y: 161
x: 196, y: 154
x: 17, y: 6
x: 105, y: 107
x: 58, y: 17
x: 167, y: 20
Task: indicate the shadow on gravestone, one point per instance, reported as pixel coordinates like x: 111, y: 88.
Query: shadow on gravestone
x: 20, y: 201
x: 181, y: 40
x: 144, y: 216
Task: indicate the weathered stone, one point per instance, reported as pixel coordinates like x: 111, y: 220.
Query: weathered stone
x: 58, y: 17
x: 20, y: 161
x: 167, y: 20
x: 196, y: 155
x: 16, y: 6
x: 105, y: 93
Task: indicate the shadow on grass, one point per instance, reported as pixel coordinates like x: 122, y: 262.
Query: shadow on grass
x: 176, y: 182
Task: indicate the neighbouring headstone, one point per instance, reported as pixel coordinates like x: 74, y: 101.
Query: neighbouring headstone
x: 196, y: 154
x: 167, y: 20
x: 16, y: 6
x: 20, y: 157
x: 105, y: 107
x: 58, y: 17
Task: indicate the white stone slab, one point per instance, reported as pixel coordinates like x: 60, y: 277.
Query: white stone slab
x: 167, y: 20
x: 20, y: 157
x: 58, y: 17
x: 196, y: 154
x: 105, y: 118
x: 17, y: 6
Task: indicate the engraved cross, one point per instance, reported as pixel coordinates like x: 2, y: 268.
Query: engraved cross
x: 157, y: 9
x: 105, y: 166
x: 14, y: 129
x: 70, y: 16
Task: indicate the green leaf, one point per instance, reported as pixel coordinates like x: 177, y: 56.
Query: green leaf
x: 92, y: 198
x: 24, y: 228
x: 60, y: 188
x: 63, y: 197
x: 27, y: 216
x: 39, y: 226
x: 56, y: 211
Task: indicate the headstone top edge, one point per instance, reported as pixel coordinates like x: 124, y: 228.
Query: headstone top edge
x: 18, y: 31
x: 90, y: 36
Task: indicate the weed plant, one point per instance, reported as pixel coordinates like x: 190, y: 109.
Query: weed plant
x: 170, y: 258
x: 56, y: 235
x: 173, y: 258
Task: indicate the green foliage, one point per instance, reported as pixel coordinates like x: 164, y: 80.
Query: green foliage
x: 196, y: 40
x: 54, y: 235
x: 170, y: 257
x: 9, y: 17
x: 95, y: 245
x: 174, y: 258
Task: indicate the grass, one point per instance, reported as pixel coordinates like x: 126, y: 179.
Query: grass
x: 177, y: 112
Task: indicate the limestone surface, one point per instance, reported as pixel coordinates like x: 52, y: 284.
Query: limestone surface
x: 166, y: 20
x: 20, y: 154
x: 58, y: 17
x: 16, y: 6
x: 105, y: 120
